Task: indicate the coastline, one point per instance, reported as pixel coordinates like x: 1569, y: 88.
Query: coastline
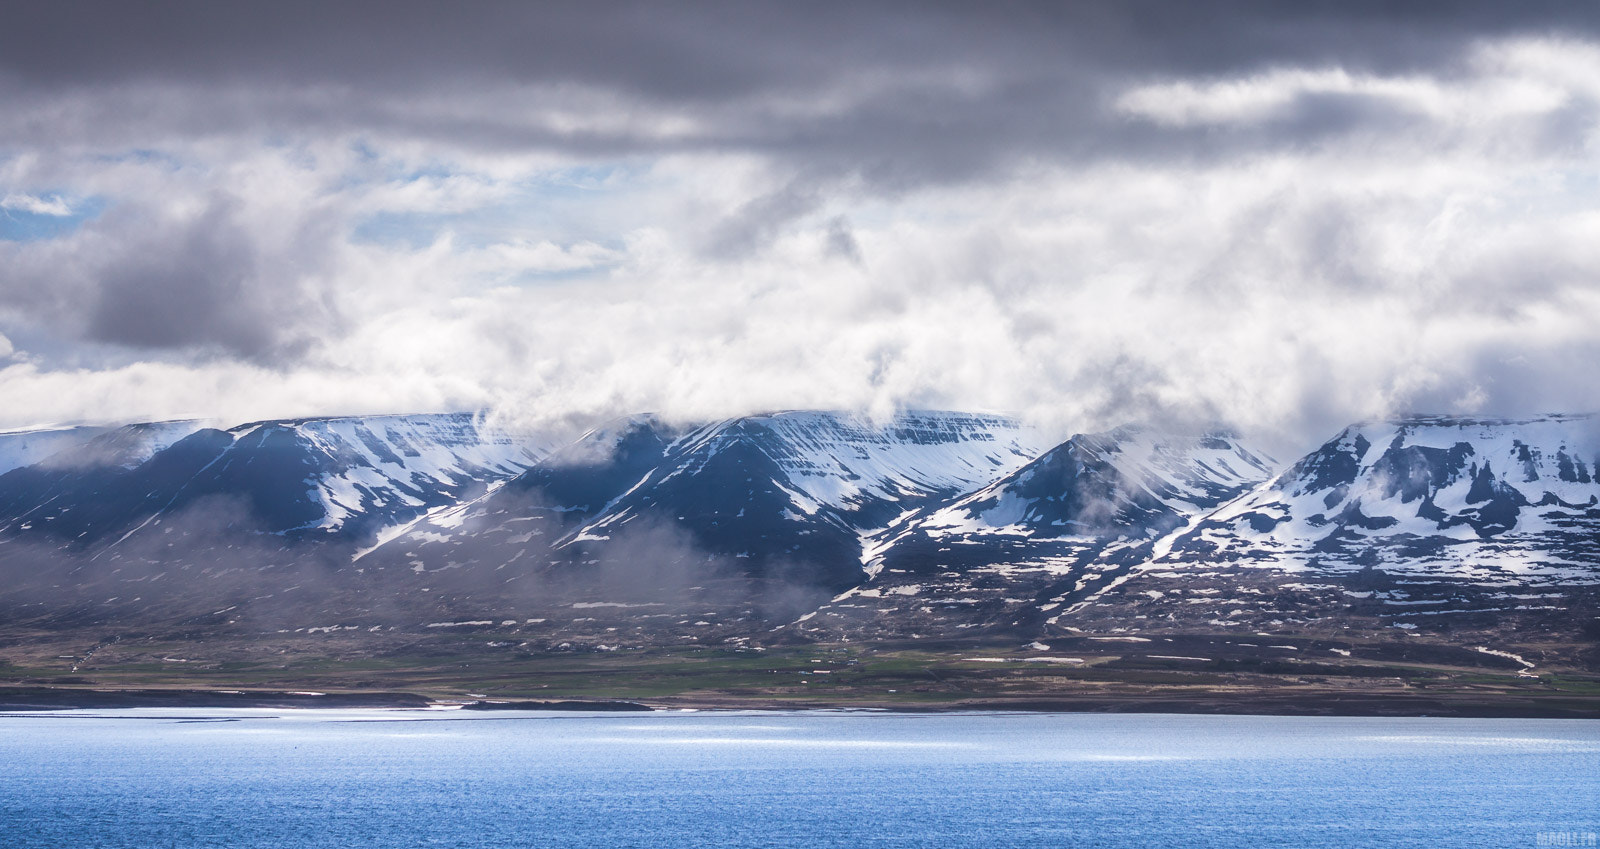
x: 21, y: 700
x: 41, y: 699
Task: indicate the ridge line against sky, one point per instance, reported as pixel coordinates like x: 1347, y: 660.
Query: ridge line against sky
x: 1284, y: 216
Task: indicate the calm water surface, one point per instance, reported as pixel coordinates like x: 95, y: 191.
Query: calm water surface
x: 263, y: 778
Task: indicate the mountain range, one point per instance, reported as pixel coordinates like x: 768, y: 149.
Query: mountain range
x: 822, y: 527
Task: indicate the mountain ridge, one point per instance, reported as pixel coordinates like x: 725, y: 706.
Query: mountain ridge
x: 818, y: 526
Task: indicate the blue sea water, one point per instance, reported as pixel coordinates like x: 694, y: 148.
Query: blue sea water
x: 265, y: 778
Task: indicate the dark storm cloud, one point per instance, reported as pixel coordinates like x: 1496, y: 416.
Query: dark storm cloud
x: 146, y: 280
x: 202, y: 289
x: 717, y: 50
x: 919, y: 92
x: 755, y: 223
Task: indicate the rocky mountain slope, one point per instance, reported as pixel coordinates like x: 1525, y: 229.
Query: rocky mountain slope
x: 1487, y: 500
x: 1471, y: 528
x: 176, y: 491
x: 82, y: 445
x: 749, y: 518
x: 936, y: 527
x: 795, y: 491
x: 1006, y: 555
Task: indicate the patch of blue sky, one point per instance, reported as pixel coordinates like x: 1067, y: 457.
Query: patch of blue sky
x: 388, y: 168
x: 482, y: 229
x: 1580, y: 186
x: 144, y: 156
x: 563, y: 206
x: 566, y: 275
x: 414, y: 230
x: 410, y: 230
x: 583, y: 179
x: 37, y: 217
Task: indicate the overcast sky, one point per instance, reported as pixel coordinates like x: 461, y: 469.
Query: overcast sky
x: 1288, y: 216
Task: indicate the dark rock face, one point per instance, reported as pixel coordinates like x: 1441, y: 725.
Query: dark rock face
x: 519, y: 524
x: 338, y: 479
x: 1333, y: 465
x: 778, y: 500
x: 78, y: 504
x: 730, y: 501
x: 1413, y: 472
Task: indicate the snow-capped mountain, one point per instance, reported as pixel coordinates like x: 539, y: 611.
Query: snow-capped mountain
x: 792, y: 491
x: 82, y: 445
x: 933, y: 526
x: 1055, y: 529
x: 795, y: 491
x: 1477, y: 531
x: 1130, y: 484
x: 366, y: 473
x: 519, y: 523
x: 869, y: 472
x: 329, y: 477
x: 1496, y: 501
x: 26, y: 446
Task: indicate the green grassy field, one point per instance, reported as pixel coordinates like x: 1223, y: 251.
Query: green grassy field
x: 845, y: 676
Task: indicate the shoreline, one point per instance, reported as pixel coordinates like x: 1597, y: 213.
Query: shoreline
x: 21, y: 700
x: 40, y: 699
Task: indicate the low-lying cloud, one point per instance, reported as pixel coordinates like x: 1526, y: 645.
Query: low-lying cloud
x: 1284, y: 217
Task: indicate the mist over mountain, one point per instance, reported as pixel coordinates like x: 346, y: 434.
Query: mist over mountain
x: 1050, y: 532
x: 945, y: 527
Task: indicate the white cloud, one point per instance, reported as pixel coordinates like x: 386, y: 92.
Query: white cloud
x: 1511, y: 80
x: 36, y: 205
